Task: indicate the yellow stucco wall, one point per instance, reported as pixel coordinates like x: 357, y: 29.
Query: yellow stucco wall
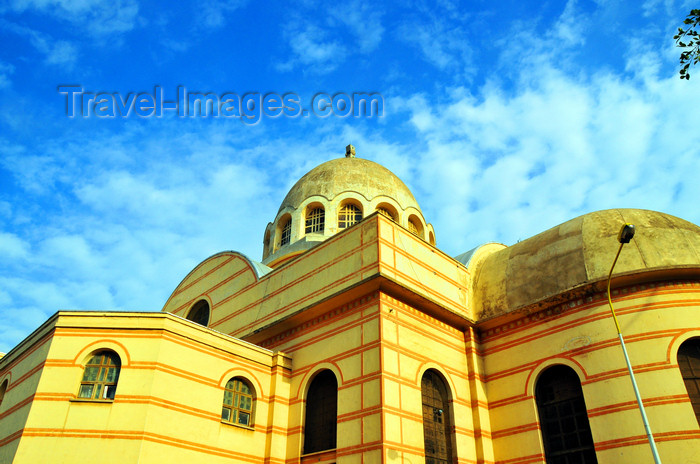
x: 378, y: 307
x: 655, y: 319
x: 169, y: 396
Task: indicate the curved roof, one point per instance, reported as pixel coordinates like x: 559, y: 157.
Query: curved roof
x: 349, y: 174
x: 579, y: 252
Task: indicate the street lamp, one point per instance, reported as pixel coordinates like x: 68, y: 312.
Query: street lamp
x: 625, y: 235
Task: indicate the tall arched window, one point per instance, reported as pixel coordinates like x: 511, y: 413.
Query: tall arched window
x: 315, y: 221
x: 238, y: 402
x: 3, y: 389
x: 100, y: 376
x: 321, y: 420
x: 689, y: 364
x: 436, y: 419
x: 348, y: 215
x: 286, y: 234
x: 566, y: 432
x: 199, y: 313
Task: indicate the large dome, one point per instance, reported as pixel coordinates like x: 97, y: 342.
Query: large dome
x: 358, y: 175
x: 575, y: 257
x: 334, y: 196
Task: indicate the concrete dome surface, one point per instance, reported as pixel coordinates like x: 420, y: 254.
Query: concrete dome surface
x: 566, y: 259
x: 349, y: 174
x: 334, y: 196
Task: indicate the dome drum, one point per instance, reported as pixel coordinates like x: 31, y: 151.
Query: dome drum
x: 333, y: 196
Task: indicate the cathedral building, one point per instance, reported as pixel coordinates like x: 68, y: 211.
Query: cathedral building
x: 356, y: 340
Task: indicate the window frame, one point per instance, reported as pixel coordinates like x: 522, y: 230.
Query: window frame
x: 387, y: 211
x: 315, y: 221
x: 349, y: 214
x: 693, y: 368
x: 286, y: 232
x: 106, y: 389
x: 554, y: 407
x: 435, y: 404
x: 415, y: 226
x: 196, y: 308
x: 322, y: 395
x: 231, y: 411
x: 4, y: 385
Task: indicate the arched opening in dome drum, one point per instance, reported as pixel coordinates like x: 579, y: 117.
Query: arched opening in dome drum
x: 266, y: 244
x: 286, y: 232
x: 199, y: 313
x: 388, y: 211
x: 315, y: 221
x: 415, y: 226
x: 348, y: 215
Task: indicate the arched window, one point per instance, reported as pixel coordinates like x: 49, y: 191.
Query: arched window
x: 566, y: 432
x: 415, y: 226
x: 349, y: 215
x: 100, y: 376
x: 266, y: 244
x: 199, y: 313
x: 286, y: 234
x: 387, y: 211
x: 3, y: 389
x: 315, y: 221
x: 436, y: 419
x: 689, y: 364
x: 238, y: 402
x: 321, y: 420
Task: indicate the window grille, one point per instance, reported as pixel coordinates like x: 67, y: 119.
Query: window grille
x: 689, y: 364
x: 286, y: 233
x: 238, y: 402
x: 100, y: 377
x: 315, y: 221
x: 566, y: 432
x: 436, y: 419
x: 386, y: 213
x: 349, y: 215
x: 415, y: 227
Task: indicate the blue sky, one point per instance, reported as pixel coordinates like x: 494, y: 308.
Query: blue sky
x: 504, y: 118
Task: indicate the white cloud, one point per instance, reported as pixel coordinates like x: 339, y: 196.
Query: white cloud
x: 314, y: 49
x: 6, y: 69
x: 56, y: 52
x: 105, y: 218
x: 99, y: 17
x: 13, y: 247
x: 507, y: 167
x: 212, y: 14
x: 443, y: 43
x: 363, y: 20
x: 320, y: 43
x: 61, y: 53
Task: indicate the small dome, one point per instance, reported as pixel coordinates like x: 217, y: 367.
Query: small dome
x: 357, y: 175
x: 565, y: 260
x: 334, y: 196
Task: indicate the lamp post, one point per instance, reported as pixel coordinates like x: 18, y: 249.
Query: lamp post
x: 625, y: 235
